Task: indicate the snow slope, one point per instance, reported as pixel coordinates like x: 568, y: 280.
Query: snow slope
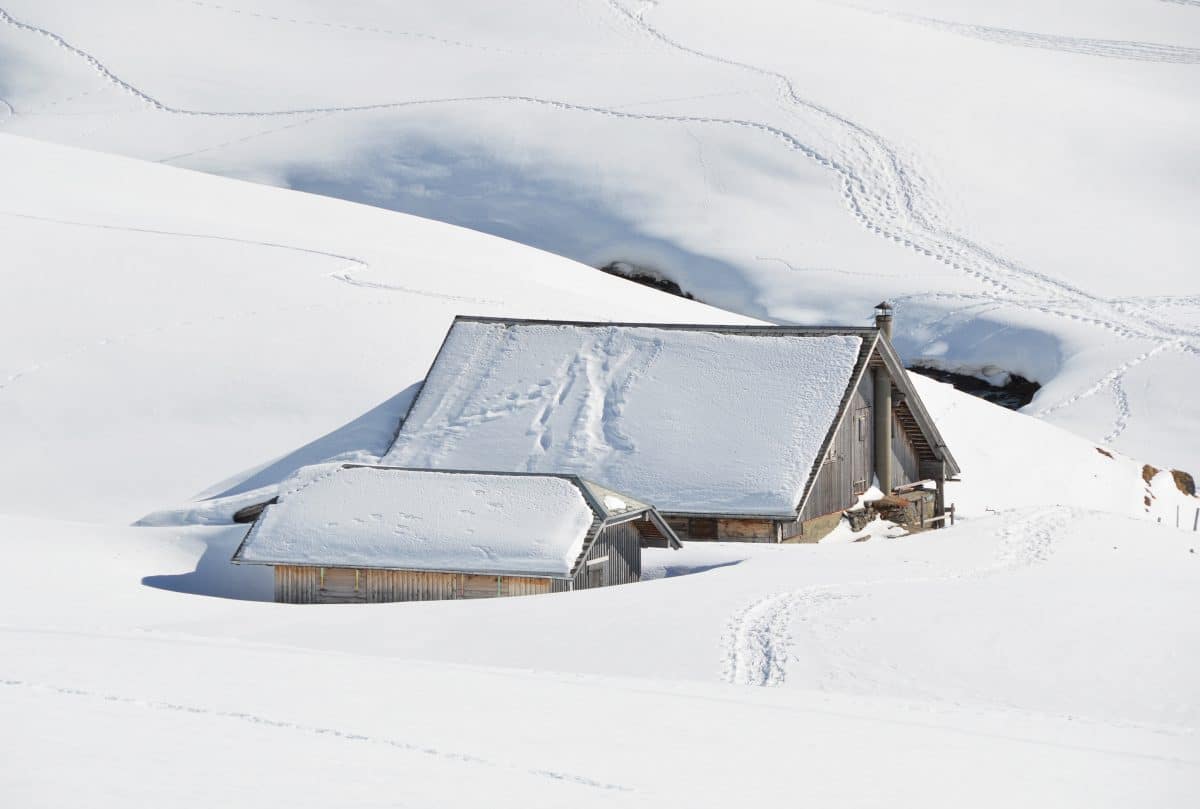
x: 1019, y: 177
x: 165, y: 332
x: 161, y: 330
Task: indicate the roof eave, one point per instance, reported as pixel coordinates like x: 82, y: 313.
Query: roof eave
x: 542, y: 574
x: 917, y: 407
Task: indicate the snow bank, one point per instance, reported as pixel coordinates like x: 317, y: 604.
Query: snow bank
x: 689, y: 420
x: 338, y: 516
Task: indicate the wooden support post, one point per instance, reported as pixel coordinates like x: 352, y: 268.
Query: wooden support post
x: 1196, y: 520
x: 939, y: 497
x: 952, y: 514
x: 882, y: 407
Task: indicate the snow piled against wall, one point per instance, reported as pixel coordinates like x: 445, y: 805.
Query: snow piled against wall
x: 686, y: 420
x: 335, y: 516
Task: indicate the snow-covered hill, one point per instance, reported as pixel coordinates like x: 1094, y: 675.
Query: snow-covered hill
x: 1019, y: 177
x: 161, y: 330
x: 164, y: 332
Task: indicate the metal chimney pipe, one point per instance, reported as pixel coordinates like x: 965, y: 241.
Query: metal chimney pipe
x: 883, y: 319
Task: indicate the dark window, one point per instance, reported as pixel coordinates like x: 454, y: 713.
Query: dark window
x: 703, y: 529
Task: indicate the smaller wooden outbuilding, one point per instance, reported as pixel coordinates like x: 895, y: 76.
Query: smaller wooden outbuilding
x: 349, y: 533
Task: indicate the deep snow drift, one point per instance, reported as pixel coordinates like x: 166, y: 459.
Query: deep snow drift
x: 1019, y: 177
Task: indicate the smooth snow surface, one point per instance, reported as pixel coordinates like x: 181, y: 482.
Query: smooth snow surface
x: 334, y: 516
x: 1038, y: 657
x: 689, y: 420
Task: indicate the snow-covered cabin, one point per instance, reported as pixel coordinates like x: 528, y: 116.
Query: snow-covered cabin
x: 344, y: 533
x: 757, y: 433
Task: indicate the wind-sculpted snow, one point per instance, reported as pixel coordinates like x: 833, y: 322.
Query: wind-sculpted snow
x: 687, y: 420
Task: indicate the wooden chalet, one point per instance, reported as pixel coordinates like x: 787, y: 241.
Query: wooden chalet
x: 346, y: 533
x: 753, y: 433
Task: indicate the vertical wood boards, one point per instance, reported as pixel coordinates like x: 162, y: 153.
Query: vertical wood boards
x: 711, y: 529
x: 303, y: 585
x: 618, y: 550
x: 850, y: 460
x: 296, y: 585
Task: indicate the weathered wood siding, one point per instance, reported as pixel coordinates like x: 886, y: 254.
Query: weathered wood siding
x: 847, y: 470
x: 712, y: 529
x: 313, y: 585
x: 296, y: 585
x: 615, y: 557
x: 340, y: 585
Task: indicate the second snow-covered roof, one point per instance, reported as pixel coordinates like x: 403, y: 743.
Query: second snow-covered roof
x: 699, y: 420
x: 335, y: 515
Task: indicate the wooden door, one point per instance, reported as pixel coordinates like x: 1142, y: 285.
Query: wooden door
x: 339, y: 585
x: 861, y: 459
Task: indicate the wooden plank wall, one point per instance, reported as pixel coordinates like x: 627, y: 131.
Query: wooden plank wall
x: 622, y: 544
x: 296, y: 585
x: 834, y: 488
x: 302, y: 585
x: 698, y: 529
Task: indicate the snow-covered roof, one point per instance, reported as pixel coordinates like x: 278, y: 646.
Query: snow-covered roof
x: 335, y: 515
x: 694, y: 419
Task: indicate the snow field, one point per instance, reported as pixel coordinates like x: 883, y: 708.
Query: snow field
x: 1019, y: 178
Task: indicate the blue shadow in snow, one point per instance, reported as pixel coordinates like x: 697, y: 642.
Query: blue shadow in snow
x: 216, y: 576
x: 475, y: 188
x: 372, y: 432
x: 671, y: 571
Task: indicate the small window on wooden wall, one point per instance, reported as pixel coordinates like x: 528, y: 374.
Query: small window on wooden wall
x: 702, y: 528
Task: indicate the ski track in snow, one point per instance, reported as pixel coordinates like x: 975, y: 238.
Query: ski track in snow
x: 314, y: 730
x: 1108, y: 48
x: 756, y: 645
x: 344, y: 277
x: 366, y: 29
x: 882, y: 191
